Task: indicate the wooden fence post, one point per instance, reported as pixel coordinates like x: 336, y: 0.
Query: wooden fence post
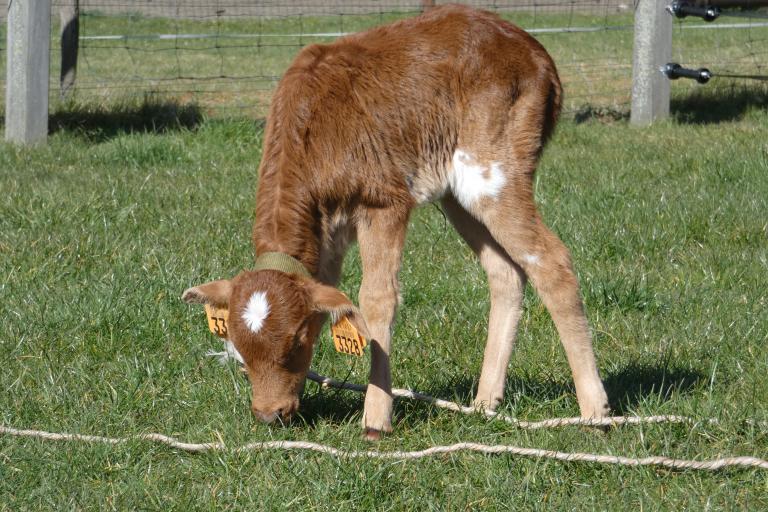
x: 27, y: 74
x: 652, y: 50
x: 70, y: 42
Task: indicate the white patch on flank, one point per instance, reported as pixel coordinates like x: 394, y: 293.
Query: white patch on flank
x: 256, y: 311
x: 533, y: 259
x: 471, y: 181
x: 230, y: 352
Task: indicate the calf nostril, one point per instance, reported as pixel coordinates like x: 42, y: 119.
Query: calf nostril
x: 282, y: 413
x: 265, y: 417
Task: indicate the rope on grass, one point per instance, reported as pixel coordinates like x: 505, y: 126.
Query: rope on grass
x: 667, y: 462
x: 497, y: 449
x: 528, y: 425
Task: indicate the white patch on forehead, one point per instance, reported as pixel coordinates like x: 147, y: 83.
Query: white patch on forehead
x: 532, y: 259
x: 470, y: 181
x: 256, y: 311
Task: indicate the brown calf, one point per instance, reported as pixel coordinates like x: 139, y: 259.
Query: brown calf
x: 454, y: 105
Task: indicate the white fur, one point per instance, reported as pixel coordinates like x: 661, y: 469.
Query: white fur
x: 470, y: 181
x: 230, y: 352
x: 256, y: 311
x: 533, y: 259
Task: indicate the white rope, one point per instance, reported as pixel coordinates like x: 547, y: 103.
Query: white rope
x: 713, y: 464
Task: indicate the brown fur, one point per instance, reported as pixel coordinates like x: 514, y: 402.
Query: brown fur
x: 360, y: 132
x: 351, y: 121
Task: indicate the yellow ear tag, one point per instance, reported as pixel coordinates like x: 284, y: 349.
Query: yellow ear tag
x: 346, y: 339
x: 217, y: 320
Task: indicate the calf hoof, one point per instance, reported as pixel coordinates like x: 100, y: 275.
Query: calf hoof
x: 371, y: 434
x: 486, y: 405
x: 488, y: 398
x: 597, y: 411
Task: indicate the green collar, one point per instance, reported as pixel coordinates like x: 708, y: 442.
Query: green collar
x: 282, y: 262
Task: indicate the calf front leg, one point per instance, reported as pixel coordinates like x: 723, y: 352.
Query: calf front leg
x: 381, y: 234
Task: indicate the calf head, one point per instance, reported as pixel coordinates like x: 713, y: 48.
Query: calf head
x: 274, y: 320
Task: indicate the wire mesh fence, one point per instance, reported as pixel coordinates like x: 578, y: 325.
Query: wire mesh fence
x: 226, y: 56
x: 733, y: 47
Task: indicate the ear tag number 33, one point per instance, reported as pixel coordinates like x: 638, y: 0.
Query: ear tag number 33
x: 346, y: 339
x: 217, y: 320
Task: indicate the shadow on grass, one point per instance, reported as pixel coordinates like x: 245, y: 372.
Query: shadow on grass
x: 99, y: 123
x: 626, y: 389
x: 605, y: 115
x: 329, y: 405
x: 720, y: 104
x: 462, y: 391
x: 706, y: 105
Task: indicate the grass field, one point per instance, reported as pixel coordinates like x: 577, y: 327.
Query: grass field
x: 130, y: 203
x: 102, y: 229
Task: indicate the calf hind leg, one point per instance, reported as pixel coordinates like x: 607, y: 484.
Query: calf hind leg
x: 506, y: 282
x: 547, y: 263
x: 492, y: 177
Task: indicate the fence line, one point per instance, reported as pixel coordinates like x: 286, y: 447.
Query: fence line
x: 735, y: 57
x: 119, y: 46
x: 208, y: 9
x: 154, y: 46
x: 129, y: 51
x: 550, y: 30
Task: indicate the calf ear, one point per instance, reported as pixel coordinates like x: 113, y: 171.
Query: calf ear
x: 215, y: 293
x: 327, y: 299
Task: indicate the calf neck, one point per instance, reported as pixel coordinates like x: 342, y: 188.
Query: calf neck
x: 453, y: 106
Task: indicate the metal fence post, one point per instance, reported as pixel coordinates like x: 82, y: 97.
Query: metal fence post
x: 28, y: 63
x: 652, y: 50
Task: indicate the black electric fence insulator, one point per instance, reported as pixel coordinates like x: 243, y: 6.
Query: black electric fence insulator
x: 684, y: 9
x: 675, y: 71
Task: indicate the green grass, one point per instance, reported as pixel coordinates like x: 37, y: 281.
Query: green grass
x: 101, y: 230
x: 132, y: 201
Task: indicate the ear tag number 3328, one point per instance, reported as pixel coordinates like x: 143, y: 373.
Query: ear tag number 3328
x: 346, y: 339
x: 217, y: 320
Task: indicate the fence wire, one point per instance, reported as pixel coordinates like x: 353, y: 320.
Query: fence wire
x: 226, y: 56
x: 736, y: 43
